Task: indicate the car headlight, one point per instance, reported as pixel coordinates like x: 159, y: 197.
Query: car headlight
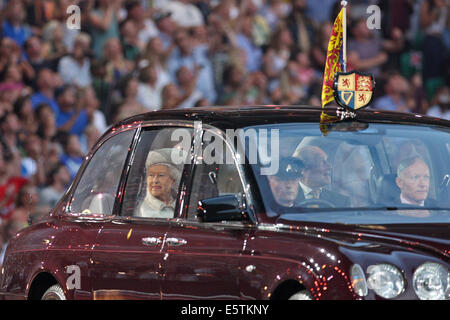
x: 358, y: 279
x: 386, y: 280
x: 431, y: 282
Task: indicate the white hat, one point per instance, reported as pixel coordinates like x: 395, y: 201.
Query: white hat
x: 170, y: 157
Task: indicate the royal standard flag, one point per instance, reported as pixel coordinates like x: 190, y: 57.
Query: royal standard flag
x: 333, y: 63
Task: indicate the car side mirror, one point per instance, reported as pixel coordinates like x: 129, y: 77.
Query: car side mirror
x: 224, y: 208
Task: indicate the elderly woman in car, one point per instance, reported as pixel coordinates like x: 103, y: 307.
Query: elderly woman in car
x: 162, y: 179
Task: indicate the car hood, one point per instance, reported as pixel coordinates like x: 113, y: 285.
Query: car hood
x: 427, y: 234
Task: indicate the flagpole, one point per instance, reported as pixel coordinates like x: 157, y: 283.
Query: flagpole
x: 344, y: 35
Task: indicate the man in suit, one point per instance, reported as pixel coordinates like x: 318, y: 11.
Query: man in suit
x: 315, y: 175
x: 413, y: 179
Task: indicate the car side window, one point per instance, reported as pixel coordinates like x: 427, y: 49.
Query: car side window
x: 97, y: 188
x: 215, y: 175
x: 152, y: 185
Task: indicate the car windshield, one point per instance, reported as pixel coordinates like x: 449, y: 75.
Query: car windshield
x: 351, y: 169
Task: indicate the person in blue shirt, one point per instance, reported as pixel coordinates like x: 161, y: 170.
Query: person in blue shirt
x: 72, y: 157
x: 46, y: 84
x: 13, y: 26
x: 71, y: 117
x: 394, y: 99
x: 196, y: 59
x: 244, y: 40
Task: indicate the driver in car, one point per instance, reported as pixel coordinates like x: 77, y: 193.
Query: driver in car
x: 315, y: 175
x: 284, y: 184
x: 162, y: 180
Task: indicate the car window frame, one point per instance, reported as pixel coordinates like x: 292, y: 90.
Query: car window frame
x: 143, y: 127
x: 187, y: 175
x: 87, y: 160
x: 242, y: 171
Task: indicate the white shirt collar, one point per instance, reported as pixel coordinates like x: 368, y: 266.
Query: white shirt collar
x: 405, y: 201
x: 307, y: 190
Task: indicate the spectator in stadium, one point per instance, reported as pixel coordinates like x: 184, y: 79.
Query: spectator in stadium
x: 33, y: 164
x: 91, y: 104
x: 280, y: 49
x: 300, y: 26
x: 369, y: 53
x: 440, y: 105
x: 104, y: 24
x: 25, y: 114
x: 58, y: 180
x: 166, y: 27
x: 13, y: 25
x: 53, y: 45
x: 171, y: 96
x: 131, y: 45
x: 396, y: 89
x: 194, y: 58
x: 275, y: 11
x: 72, y: 116
x: 36, y: 56
x: 320, y: 47
x: 190, y: 94
x: 129, y: 105
x: 46, y: 84
x: 72, y: 156
x: 76, y: 68
x: 150, y: 87
x: 434, y: 20
x: 46, y: 121
x: 116, y: 64
x: 244, y: 40
x: 145, y: 26
x: 9, y: 186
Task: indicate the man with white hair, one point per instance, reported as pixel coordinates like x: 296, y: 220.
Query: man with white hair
x: 162, y: 178
x: 413, y: 180
x: 315, y: 176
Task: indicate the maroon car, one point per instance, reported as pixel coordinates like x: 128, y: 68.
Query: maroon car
x: 248, y: 203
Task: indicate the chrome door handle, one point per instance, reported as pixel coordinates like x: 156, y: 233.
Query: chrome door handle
x: 175, y: 241
x: 151, y: 241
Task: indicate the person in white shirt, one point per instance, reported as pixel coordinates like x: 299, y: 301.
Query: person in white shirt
x: 75, y: 69
x: 187, y: 80
x: 149, y: 92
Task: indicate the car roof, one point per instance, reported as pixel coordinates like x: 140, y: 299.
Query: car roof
x: 232, y: 117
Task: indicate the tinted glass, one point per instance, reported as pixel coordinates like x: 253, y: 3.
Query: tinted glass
x: 402, y: 168
x: 96, y: 190
x: 153, y: 182
x: 214, y: 174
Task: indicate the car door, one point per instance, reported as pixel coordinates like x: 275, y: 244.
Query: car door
x: 201, y: 260
x: 90, y: 207
x: 126, y: 262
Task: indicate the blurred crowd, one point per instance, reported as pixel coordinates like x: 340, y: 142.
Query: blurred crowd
x: 61, y: 88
